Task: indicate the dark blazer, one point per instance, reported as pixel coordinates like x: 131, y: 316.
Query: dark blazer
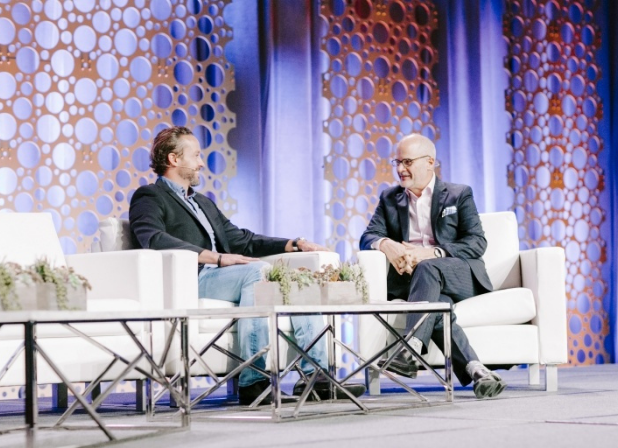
x: 455, y: 223
x: 161, y: 220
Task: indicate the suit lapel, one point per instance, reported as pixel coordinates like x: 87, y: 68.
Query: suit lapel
x: 208, y: 209
x: 404, y: 214
x: 175, y: 197
x: 437, y: 204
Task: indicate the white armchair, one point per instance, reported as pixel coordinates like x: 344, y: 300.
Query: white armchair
x: 523, y: 321
x: 181, y: 292
x: 126, y: 281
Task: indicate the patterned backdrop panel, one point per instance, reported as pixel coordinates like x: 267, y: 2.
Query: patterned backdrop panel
x: 378, y: 60
x: 84, y: 88
x: 556, y: 109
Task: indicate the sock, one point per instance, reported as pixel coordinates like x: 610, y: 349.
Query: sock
x: 416, y: 344
x: 477, y: 370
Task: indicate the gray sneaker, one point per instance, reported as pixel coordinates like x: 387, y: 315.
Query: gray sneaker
x: 487, y: 384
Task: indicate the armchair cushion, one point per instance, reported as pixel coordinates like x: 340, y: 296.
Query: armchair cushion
x: 507, y: 307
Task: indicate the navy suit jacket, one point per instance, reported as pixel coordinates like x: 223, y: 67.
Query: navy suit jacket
x: 455, y: 224
x: 161, y: 220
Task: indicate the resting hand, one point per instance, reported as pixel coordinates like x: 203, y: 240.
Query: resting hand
x: 232, y: 259
x: 396, y: 254
x: 308, y: 246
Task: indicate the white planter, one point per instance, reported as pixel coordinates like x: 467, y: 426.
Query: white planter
x: 269, y: 294
x: 77, y: 298
x: 22, y: 298
x: 340, y: 293
x: 26, y: 295
x: 46, y: 296
x: 48, y: 300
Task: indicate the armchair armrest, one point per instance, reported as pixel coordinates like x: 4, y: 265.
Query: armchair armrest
x: 180, y: 286
x: 371, y: 334
x: 127, y: 274
x: 310, y: 260
x: 543, y: 272
x: 375, y: 267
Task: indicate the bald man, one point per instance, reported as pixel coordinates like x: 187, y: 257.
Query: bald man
x: 431, y: 233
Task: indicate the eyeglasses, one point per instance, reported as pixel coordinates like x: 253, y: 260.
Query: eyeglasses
x: 406, y: 162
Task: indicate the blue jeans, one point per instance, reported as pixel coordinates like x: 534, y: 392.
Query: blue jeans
x: 235, y: 284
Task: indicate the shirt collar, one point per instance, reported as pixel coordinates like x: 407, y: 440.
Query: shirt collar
x: 179, y: 189
x: 427, y: 191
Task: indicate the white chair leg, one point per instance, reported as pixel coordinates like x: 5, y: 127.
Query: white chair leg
x: 551, y: 378
x: 372, y: 381
x: 534, y: 374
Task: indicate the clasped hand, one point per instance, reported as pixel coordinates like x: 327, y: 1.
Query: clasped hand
x: 405, y: 256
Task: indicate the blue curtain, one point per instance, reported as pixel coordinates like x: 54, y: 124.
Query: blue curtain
x: 279, y: 181
x: 472, y: 118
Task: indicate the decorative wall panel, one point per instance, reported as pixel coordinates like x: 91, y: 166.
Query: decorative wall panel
x: 378, y: 60
x: 556, y: 109
x: 84, y: 88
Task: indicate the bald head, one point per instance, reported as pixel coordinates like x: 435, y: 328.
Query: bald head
x: 418, y: 145
x: 417, y: 156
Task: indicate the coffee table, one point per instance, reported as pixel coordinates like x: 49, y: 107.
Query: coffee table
x: 33, y: 319
x: 275, y: 313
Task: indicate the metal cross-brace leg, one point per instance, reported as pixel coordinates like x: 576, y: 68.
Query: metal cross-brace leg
x: 404, y: 344
x: 87, y: 407
x: 327, y: 375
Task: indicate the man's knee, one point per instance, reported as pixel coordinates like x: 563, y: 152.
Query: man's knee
x: 254, y: 271
x: 426, y: 267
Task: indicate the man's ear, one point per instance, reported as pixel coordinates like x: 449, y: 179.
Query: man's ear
x: 172, y: 159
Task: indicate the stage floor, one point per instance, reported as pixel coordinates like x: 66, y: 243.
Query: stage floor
x: 584, y: 412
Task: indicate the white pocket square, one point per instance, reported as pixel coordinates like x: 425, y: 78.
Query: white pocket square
x: 449, y: 211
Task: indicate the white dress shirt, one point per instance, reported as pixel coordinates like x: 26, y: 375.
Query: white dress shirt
x: 419, y: 212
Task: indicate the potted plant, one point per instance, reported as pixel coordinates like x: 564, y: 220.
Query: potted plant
x: 59, y: 288
x: 282, y: 285
x: 17, y: 288
x: 342, y: 285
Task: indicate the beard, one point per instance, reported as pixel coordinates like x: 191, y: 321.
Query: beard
x: 191, y: 175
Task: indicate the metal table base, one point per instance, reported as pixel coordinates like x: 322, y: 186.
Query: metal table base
x: 154, y: 373
x: 280, y: 412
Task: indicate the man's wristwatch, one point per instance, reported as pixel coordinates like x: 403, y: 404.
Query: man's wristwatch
x: 437, y: 252
x: 295, y: 241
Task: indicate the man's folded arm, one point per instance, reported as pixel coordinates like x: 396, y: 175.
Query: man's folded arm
x: 245, y: 242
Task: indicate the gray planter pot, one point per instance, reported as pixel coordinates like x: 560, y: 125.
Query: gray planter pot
x: 340, y: 293
x: 48, y: 300
x: 269, y: 294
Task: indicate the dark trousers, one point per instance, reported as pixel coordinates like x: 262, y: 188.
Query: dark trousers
x: 447, y: 280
